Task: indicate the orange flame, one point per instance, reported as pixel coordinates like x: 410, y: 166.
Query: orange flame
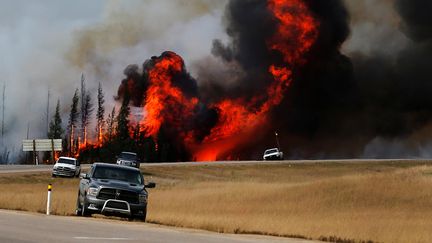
x: 238, y: 119
x: 163, y: 100
x: 296, y: 33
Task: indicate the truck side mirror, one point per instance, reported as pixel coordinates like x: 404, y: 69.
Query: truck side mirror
x: 84, y: 176
x: 150, y: 185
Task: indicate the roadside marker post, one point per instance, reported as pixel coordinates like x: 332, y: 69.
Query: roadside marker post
x: 49, y: 199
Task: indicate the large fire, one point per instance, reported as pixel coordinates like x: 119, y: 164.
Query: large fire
x: 237, y: 119
x: 296, y: 32
x: 164, y: 101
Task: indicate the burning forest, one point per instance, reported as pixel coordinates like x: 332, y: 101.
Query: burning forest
x: 202, y: 130
x: 331, y: 81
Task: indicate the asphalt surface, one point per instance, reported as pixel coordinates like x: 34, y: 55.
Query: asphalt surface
x: 30, y: 168
x: 24, y: 227
x: 47, y: 168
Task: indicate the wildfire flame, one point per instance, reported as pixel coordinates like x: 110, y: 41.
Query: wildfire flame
x: 296, y: 32
x: 164, y: 101
x: 238, y: 119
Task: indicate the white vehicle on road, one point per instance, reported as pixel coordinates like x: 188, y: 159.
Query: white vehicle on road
x: 273, y: 154
x: 66, y: 166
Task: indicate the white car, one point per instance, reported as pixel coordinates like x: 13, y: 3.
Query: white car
x: 273, y: 154
x: 66, y: 166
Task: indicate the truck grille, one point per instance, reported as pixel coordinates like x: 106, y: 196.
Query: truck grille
x: 64, y: 169
x: 110, y: 193
x: 117, y: 205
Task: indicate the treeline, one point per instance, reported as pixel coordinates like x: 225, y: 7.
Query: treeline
x: 113, y: 133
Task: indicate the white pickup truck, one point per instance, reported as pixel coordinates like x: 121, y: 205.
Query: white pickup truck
x: 273, y: 154
x: 66, y: 166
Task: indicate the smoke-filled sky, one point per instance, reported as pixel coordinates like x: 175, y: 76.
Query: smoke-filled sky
x: 364, y: 91
x: 48, y: 44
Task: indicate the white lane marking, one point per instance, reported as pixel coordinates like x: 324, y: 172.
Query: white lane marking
x: 99, y: 238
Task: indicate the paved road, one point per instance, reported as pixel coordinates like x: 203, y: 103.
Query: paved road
x: 48, y: 168
x: 28, y: 227
x: 29, y: 168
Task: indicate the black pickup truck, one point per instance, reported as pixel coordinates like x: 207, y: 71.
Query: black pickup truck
x: 113, y: 190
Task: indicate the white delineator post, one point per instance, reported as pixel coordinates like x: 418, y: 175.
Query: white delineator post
x: 49, y: 199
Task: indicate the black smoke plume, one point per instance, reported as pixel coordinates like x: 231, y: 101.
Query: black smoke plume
x: 325, y: 86
x: 397, y: 92
x: 336, y: 104
x: 250, y: 24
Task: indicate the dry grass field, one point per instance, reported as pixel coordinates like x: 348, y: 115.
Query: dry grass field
x: 377, y: 201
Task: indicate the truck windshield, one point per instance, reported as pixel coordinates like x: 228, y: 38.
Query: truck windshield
x: 66, y: 161
x: 126, y: 175
x: 128, y: 156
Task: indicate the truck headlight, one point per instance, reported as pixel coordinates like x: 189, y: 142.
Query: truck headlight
x: 143, y: 198
x: 92, y: 191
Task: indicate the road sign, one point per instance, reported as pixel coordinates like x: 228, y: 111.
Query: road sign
x: 42, y: 145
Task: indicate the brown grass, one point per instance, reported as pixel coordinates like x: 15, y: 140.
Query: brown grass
x: 383, y: 202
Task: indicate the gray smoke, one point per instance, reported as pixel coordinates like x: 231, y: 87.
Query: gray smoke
x: 365, y: 91
x: 48, y: 44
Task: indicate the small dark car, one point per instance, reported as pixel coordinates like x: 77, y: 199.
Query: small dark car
x: 128, y: 159
x: 113, y: 190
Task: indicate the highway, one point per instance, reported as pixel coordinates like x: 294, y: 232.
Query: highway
x: 32, y: 227
x: 21, y: 227
x: 47, y: 168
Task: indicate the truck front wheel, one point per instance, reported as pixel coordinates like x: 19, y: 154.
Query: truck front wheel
x: 144, y: 215
x: 84, y: 211
x: 78, y: 210
x: 141, y: 217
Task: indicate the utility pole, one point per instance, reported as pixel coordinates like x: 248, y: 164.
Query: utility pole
x: 3, y: 107
x: 277, y: 141
x: 28, y: 129
x: 28, y: 132
x: 47, y: 111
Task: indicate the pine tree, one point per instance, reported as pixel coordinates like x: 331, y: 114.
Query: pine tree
x: 123, y: 119
x: 73, y: 118
x: 86, y: 110
x: 83, y: 94
x: 111, y: 125
x: 86, y: 113
x: 55, y: 126
x: 100, y: 114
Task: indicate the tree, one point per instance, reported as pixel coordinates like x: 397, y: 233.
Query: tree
x: 100, y: 114
x: 111, y: 125
x: 123, y: 119
x: 83, y: 93
x: 55, y: 127
x: 87, y: 111
x: 73, y: 118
